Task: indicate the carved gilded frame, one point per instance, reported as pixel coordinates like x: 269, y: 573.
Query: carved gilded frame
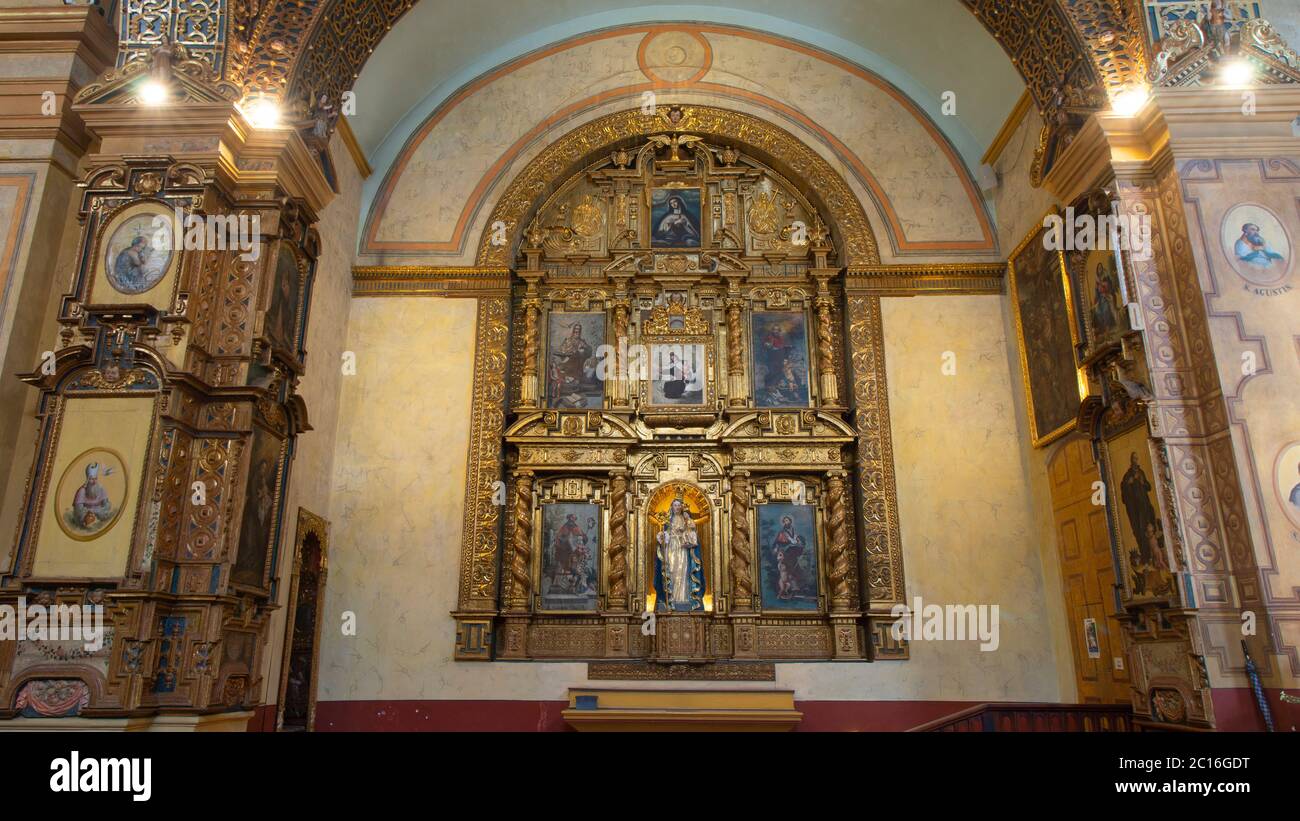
x: 799, y: 490
x: 1042, y: 438
x: 308, y: 524
x: 572, y: 489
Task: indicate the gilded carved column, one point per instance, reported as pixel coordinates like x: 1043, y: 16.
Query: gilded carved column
x: 521, y: 546
x: 741, y: 560
x: 528, y: 392
x: 825, y: 338
x: 736, y: 352
x: 617, y: 599
x: 622, y: 311
x: 843, y: 575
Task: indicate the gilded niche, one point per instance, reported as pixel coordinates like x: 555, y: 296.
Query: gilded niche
x: 677, y: 458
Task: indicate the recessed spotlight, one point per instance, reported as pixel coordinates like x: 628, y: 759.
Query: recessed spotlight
x: 1130, y: 101
x: 1237, y: 73
x: 261, y: 112
x: 154, y: 92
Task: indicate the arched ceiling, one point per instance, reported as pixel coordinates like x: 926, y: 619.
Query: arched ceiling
x: 924, y: 47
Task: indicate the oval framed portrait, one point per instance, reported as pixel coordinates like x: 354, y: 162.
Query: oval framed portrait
x: 1256, y: 244
x: 137, y: 249
x: 1286, y: 480
x: 91, y: 494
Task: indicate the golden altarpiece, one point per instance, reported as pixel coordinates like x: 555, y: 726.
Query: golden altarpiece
x: 680, y: 453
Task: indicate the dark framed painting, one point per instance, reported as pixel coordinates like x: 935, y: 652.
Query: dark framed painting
x: 570, y: 556
x: 779, y: 360
x: 258, y: 526
x: 1100, y: 292
x: 1136, y: 520
x: 677, y: 374
x: 1046, y: 333
x: 675, y: 218
x: 282, y: 314
x: 572, y: 357
x: 787, y: 556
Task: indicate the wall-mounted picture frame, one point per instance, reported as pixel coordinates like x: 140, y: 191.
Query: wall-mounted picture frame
x: 1138, y: 524
x: 1046, y: 335
x: 676, y: 218
x: 137, y: 256
x: 571, y: 359
x: 779, y: 359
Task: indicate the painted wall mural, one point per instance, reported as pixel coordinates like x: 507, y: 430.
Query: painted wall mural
x: 1256, y: 244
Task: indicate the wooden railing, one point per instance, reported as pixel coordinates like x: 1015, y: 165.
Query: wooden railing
x: 997, y: 717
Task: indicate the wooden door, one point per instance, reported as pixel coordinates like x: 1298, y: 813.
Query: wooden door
x: 1088, y: 576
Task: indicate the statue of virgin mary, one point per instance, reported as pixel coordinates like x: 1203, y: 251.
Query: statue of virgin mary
x: 679, y: 578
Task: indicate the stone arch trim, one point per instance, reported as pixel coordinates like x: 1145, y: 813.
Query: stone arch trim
x: 790, y: 155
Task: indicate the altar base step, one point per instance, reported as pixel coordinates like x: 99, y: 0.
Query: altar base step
x: 604, y: 710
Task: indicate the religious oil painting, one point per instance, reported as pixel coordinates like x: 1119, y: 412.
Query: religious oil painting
x: 780, y: 359
x: 1045, y: 325
x: 570, y: 555
x: 675, y: 218
x: 787, y: 549
x: 677, y: 374
x: 138, y: 249
x: 282, y: 315
x: 1256, y: 244
x: 572, y: 371
x: 91, y: 494
x: 1100, y: 298
x: 1287, y: 480
x: 1135, y: 514
x: 258, y: 522
x: 678, y: 542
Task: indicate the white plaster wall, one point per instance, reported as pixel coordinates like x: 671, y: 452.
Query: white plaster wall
x: 309, y: 481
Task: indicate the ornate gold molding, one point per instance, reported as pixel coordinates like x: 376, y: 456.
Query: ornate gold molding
x: 915, y: 280
x: 881, y: 543
x: 479, y: 538
x: 429, y: 280
x: 598, y: 137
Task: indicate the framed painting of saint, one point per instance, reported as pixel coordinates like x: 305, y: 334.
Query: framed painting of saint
x: 677, y: 374
x: 572, y: 372
x: 571, y: 549
x: 138, y: 256
x: 1136, y: 520
x: 1047, y: 335
x: 675, y: 218
x: 281, y: 324
x: 91, y: 494
x: 258, y: 526
x: 780, y: 359
x: 787, y: 556
x: 1103, y: 317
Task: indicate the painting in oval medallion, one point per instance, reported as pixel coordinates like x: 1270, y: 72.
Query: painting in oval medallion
x: 137, y: 252
x: 91, y: 494
x: 1286, y: 474
x: 1256, y: 244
